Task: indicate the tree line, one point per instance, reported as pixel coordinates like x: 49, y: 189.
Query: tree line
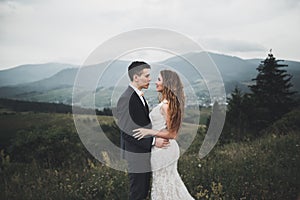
x: 25, y: 106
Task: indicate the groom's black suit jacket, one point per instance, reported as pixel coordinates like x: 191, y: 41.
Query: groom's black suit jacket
x: 132, y: 114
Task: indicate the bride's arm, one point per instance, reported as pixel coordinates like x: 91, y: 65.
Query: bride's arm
x: 164, y: 133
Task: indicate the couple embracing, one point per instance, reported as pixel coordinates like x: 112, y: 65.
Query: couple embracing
x: 148, y: 138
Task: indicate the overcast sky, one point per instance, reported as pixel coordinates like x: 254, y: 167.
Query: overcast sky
x: 36, y: 31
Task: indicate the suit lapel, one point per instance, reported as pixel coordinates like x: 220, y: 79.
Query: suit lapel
x: 146, y: 105
x: 139, y: 101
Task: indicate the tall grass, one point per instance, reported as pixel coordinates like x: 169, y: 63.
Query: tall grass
x: 46, y: 160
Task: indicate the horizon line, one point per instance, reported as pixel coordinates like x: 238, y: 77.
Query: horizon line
x: 162, y: 60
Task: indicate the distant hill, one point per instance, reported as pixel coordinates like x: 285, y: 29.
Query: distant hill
x: 58, y: 87
x: 9, y: 105
x: 234, y: 70
x: 30, y: 73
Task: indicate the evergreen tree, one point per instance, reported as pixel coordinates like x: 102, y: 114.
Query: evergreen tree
x: 238, y: 115
x: 271, y: 93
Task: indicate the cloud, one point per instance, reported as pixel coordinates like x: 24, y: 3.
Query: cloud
x: 233, y: 46
x: 67, y: 31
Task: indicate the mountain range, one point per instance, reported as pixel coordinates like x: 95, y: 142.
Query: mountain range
x: 30, y: 73
x: 53, y: 82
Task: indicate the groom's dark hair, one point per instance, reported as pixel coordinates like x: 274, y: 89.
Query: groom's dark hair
x: 136, y: 67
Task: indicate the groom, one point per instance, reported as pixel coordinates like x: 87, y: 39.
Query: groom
x: 132, y: 113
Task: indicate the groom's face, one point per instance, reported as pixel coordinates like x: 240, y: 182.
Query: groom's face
x: 143, y: 80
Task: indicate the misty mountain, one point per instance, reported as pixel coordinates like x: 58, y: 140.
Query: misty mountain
x: 58, y: 87
x: 30, y: 73
x: 65, y: 79
x: 234, y: 70
x: 62, y: 79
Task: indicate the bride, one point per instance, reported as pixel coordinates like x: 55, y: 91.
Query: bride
x: 166, y: 120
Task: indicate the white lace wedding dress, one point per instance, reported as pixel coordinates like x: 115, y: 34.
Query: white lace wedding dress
x: 166, y: 182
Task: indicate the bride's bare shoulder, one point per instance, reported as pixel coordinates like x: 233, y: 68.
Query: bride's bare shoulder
x: 164, y: 107
x: 165, y: 101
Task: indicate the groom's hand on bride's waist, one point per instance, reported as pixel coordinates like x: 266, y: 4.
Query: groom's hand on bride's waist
x: 161, y: 142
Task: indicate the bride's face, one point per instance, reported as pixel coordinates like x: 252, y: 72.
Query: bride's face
x: 159, y: 84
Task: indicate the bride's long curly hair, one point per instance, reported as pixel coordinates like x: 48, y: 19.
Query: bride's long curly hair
x: 174, y: 94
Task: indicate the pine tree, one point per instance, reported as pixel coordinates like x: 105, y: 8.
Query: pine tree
x: 239, y: 110
x: 271, y: 92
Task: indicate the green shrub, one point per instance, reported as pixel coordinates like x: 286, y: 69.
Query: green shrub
x: 49, y: 162
x: 29, y: 181
x: 263, y: 169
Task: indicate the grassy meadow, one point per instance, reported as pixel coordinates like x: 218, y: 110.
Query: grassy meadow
x: 42, y: 157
